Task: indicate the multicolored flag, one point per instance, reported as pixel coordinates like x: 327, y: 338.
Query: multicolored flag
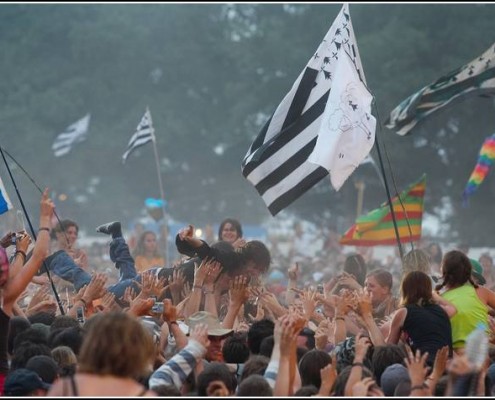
x: 5, y: 204
x: 377, y: 228
x: 474, y: 78
x: 485, y: 160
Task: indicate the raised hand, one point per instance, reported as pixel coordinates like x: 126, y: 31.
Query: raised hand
x: 95, y: 288
x: 293, y: 272
x: 169, y: 311
x: 6, y: 241
x: 238, y: 291
x: 213, y: 272
x: 200, y: 334
x: 186, y: 232
x: 360, y: 389
x: 129, y: 295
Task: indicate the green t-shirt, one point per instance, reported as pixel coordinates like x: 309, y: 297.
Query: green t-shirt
x: 470, y: 312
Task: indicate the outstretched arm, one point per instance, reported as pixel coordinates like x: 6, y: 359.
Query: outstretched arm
x: 18, y: 283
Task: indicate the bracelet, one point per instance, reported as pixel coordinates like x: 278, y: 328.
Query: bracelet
x: 22, y: 253
x: 197, y: 287
x: 339, y: 318
x: 84, y: 302
x: 173, y: 322
x: 44, y: 228
x: 418, y: 387
x: 209, y: 291
x: 358, y: 364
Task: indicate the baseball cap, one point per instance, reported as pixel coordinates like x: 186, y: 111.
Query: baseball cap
x: 21, y: 382
x: 211, y: 321
x: 477, y: 271
x: 391, y: 377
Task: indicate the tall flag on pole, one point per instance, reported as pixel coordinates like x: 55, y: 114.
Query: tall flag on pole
x: 485, y: 160
x: 475, y: 78
x: 75, y: 133
x: 144, y: 133
x: 5, y: 204
x: 376, y: 227
x: 277, y: 162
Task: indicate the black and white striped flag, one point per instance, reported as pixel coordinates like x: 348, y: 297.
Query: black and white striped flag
x: 277, y: 162
x: 75, y: 133
x: 144, y: 134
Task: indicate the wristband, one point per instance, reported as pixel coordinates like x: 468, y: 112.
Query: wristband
x: 44, y: 228
x: 173, y: 322
x: 84, y: 302
x: 209, y: 291
x: 418, y: 387
x: 22, y: 253
x: 358, y: 364
x: 339, y: 318
x: 197, y: 287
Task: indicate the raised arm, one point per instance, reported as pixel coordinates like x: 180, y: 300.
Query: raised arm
x: 18, y: 283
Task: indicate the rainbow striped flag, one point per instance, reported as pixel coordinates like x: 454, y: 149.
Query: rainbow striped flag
x: 485, y: 160
x: 377, y: 227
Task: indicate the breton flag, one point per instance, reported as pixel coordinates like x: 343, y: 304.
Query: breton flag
x: 475, y: 78
x: 277, y: 162
x: 377, y: 228
x: 5, y: 204
x: 144, y: 134
x: 75, y: 133
x: 481, y: 169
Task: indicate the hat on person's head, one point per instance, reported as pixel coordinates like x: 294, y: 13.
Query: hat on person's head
x: 211, y: 321
x: 21, y: 382
x: 391, y: 377
x: 477, y: 271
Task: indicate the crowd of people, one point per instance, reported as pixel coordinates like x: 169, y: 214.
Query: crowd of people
x: 239, y: 317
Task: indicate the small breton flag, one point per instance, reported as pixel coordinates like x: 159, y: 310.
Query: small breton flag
x: 5, y: 204
x: 75, y: 133
x: 144, y: 134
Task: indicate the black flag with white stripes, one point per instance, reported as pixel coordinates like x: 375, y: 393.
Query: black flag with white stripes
x: 277, y: 161
x: 144, y: 134
x: 75, y: 133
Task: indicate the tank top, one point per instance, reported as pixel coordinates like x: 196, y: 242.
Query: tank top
x: 428, y: 329
x: 470, y: 311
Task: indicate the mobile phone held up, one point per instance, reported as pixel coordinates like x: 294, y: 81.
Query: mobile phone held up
x: 80, y: 315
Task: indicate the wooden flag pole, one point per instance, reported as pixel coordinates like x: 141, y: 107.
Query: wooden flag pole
x: 162, y: 194
x: 389, y: 199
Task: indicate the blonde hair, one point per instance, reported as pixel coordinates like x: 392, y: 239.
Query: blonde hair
x: 116, y: 344
x: 416, y: 260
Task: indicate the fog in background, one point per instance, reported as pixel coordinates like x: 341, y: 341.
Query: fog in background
x: 211, y: 76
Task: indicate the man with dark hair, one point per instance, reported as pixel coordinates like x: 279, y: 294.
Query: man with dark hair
x: 254, y: 386
x: 216, y: 380
x: 257, y: 332
x: 235, y: 349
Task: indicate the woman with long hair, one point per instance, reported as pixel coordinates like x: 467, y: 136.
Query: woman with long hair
x: 423, y: 317
x: 146, y: 254
x: 469, y: 299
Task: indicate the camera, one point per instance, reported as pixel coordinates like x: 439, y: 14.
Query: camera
x: 80, y: 315
x: 157, y: 308
x: 14, y: 238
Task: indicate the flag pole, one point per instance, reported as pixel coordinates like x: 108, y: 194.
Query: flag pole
x: 389, y: 199
x: 33, y: 233
x: 162, y: 194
